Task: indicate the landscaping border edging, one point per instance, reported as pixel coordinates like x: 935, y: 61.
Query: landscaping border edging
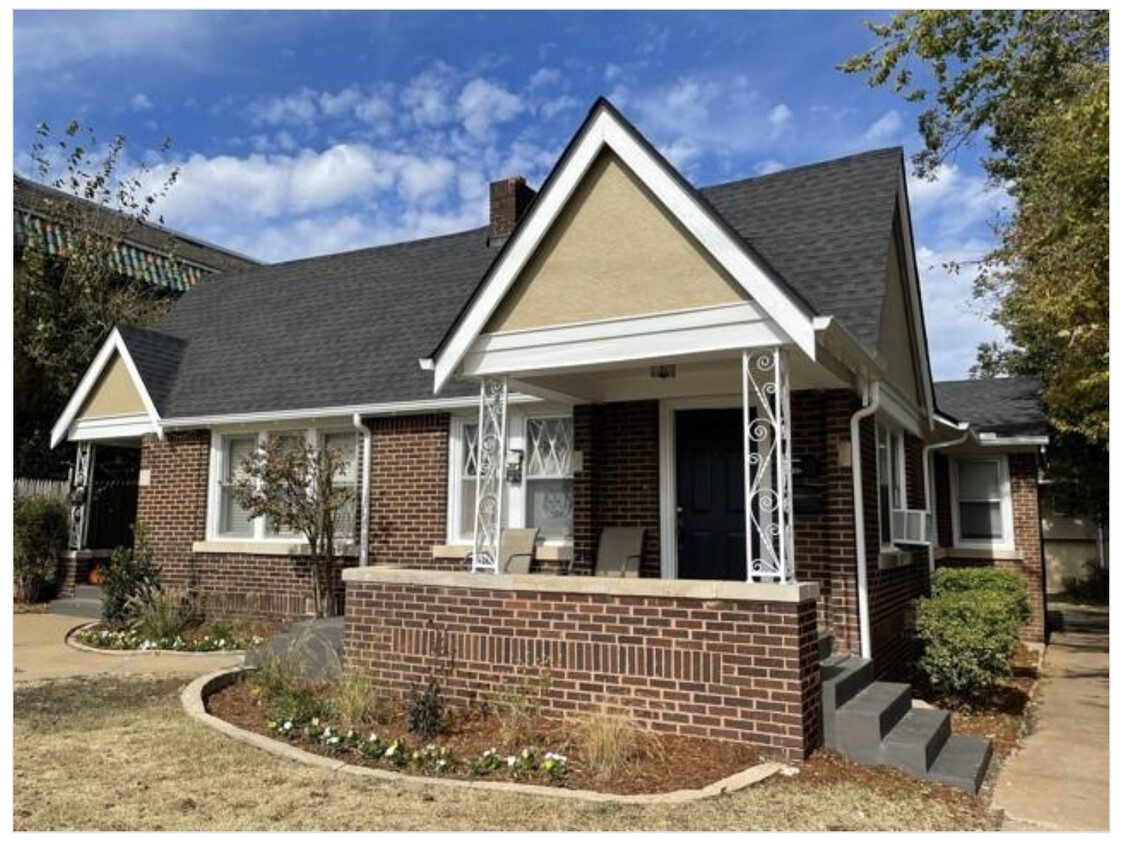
x: 69, y: 640
x: 194, y: 704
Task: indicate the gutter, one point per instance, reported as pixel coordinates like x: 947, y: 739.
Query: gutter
x: 366, y: 473
x: 871, y: 404
x: 929, y: 492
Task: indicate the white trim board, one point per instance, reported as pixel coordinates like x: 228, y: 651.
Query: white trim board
x: 604, y: 129
x: 113, y: 344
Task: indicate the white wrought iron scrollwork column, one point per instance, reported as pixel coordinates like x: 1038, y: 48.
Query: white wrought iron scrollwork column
x: 79, y: 499
x: 490, y: 474
x: 768, y: 466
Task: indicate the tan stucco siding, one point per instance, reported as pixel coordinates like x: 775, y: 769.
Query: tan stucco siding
x: 897, y: 340
x: 114, y: 393
x: 615, y: 251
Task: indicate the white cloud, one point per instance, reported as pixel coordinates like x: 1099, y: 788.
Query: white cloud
x: 779, y: 117
x: 141, y: 102
x: 956, y: 322
x: 427, y: 96
x: 483, y: 104
x: 549, y: 108
x: 297, y: 108
x: 885, y: 129
x: 545, y: 77
x: 770, y: 165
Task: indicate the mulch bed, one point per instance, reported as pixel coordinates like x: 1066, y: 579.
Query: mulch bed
x: 667, y: 762
x: 1000, y: 714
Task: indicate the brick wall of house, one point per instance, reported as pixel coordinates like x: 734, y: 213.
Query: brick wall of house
x: 618, y: 485
x: 173, y: 507
x: 738, y: 670
x: 1023, y: 471
x: 408, y: 509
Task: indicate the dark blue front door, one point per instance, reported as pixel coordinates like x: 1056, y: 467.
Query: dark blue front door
x: 711, y: 495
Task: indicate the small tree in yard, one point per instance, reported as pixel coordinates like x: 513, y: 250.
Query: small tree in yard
x: 293, y: 485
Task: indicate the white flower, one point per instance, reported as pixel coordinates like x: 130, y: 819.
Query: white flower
x: 288, y: 725
x: 511, y: 761
x: 333, y: 740
x: 373, y: 738
x: 391, y: 750
x: 316, y: 722
x: 441, y: 763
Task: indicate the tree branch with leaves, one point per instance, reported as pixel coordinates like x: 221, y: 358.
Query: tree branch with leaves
x: 294, y: 486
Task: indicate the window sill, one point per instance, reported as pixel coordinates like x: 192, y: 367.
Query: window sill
x: 978, y: 553
x: 543, y: 553
x: 267, y: 548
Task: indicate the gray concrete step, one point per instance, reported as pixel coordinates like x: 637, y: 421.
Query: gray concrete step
x: 917, y: 740
x: 962, y: 763
x: 842, y: 679
x: 81, y: 608
x: 864, y: 721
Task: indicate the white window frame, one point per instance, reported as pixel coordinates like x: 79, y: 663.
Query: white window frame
x: 314, y: 435
x: 1007, y: 542
x: 515, y: 495
x: 896, y: 443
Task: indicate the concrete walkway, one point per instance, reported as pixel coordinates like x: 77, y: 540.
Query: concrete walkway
x: 39, y: 653
x: 1060, y: 780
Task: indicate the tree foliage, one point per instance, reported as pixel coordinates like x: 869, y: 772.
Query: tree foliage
x: 65, y: 304
x: 1035, y: 85
x: 294, y: 486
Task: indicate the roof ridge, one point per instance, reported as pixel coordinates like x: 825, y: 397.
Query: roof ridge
x: 785, y: 171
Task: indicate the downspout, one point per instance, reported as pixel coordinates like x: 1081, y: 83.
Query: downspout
x: 930, y: 494
x: 871, y: 404
x: 366, y: 473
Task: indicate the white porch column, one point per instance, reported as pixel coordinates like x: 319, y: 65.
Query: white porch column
x: 767, y: 455
x: 490, y: 475
x: 79, y: 499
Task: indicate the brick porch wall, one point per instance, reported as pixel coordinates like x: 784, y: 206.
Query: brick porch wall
x: 173, y: 507
x: 738, y: 670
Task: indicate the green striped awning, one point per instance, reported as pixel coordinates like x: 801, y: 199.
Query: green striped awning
x: 129, y: 260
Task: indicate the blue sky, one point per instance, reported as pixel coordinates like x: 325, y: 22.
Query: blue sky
x: 299, y: 134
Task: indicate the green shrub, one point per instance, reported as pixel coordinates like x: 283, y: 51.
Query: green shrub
x: 130, y: 573
x: 1092, y: 588
x: 970, y: 629
x: 40, y: 536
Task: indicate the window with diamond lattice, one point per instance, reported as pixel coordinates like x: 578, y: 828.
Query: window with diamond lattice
x: 469, y: 463
x: 550, y: 441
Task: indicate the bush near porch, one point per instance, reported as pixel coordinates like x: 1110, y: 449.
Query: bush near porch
x: 969, y: 630
x: 40, y: 536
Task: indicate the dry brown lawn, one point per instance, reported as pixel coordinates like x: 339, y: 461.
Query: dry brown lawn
x: 119, y: 754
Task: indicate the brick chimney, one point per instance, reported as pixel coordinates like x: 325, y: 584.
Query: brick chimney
x: 508, y: 199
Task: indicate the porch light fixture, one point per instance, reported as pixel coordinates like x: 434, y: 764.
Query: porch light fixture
x: 663, y: 371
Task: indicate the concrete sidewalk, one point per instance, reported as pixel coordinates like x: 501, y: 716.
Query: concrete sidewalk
x: 1060, y: 780
x: 40, y: 653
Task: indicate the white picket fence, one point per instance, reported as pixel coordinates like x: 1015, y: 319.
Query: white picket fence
x: 26, y: 487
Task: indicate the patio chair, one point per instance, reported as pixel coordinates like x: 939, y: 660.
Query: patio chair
x: 620, y: 552
x: 517, y: 550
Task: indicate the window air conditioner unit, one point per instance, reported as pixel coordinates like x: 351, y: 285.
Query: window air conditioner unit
x: 911, y: 527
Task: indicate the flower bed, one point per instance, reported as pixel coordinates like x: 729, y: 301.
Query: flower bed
x: 202, y: 640
x: 472, y: 747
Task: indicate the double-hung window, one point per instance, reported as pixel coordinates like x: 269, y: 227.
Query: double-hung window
x: 890, y: 479
x: 983, y: 502
x: 227, y: 518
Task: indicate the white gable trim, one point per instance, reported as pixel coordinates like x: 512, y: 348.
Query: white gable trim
x: 605, y: 130
x: 921, y: 344
x: 63, y: 428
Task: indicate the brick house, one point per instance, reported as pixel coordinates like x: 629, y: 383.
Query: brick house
x: 741, y: 370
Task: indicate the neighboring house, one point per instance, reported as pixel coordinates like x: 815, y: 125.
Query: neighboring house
x: 587, y: 360
x: 171, y: 263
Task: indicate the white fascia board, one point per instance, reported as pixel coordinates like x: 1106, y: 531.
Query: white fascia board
x: 917, y: 306
x: 604, y: 130
x: 114, y: 343
x: 385, y: 409
x: 899, y: 410
x: 110, y: 428
x: 993, y: 440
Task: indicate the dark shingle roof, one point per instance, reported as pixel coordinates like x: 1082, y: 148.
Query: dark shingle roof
x: 1007, y: 407
x: 826, y: 228
x: 334, y: 331
x: 157, y: 357
x: 348, y: 329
